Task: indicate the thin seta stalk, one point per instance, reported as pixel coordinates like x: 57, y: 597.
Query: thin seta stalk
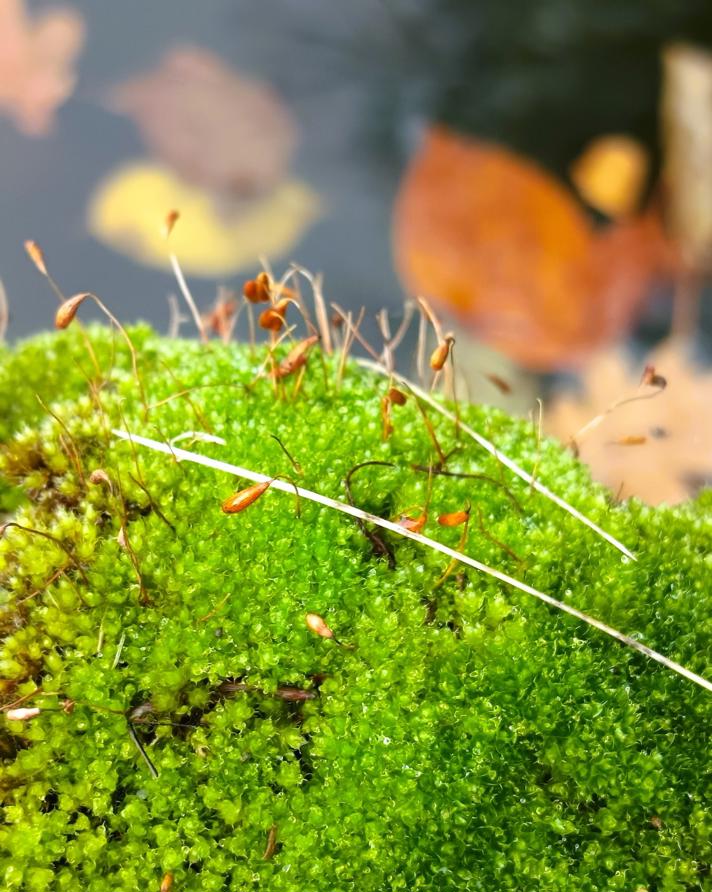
x: 36, y: 255
x: 399, y: 530
x: 170, y: 221
x: 65, y: 316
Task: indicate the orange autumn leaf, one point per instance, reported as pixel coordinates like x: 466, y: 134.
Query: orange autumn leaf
x: 506, y: 248
x: 37, y: 56
x: 213, y: 126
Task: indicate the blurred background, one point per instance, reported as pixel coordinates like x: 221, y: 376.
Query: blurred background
x: 541, y: 171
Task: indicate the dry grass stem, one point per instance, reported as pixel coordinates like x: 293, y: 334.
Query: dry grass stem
x: 66, y: 313
x: 187, y: 296
x: 422, y: 347
x: 175, y: 317
x: 366, y: 516
x: 355, y: 331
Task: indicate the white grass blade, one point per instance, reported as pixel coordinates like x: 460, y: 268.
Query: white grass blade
x: 500, y: 456
x: 246, y: 473
x: 188, y: 297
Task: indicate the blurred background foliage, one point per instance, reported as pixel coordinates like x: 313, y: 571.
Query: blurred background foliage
x: 538, y: 170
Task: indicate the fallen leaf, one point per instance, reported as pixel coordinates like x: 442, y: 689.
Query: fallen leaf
x: 671, y: 433
x: 506, y: 248
x: 215, y: 127
x: 128, y: 211
x: 610, y: 174
x: 37, y: 57
x: 687, y: 136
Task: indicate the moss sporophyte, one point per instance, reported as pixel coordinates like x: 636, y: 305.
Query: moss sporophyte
x: 177, y: 713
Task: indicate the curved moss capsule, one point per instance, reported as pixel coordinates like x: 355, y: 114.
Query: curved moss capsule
x: 68, y: 310
x: 318, y: 625
x: 242, y: 499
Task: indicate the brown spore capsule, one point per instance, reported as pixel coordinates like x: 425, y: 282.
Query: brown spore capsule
x: 242, y: 499
x: 68, y: 310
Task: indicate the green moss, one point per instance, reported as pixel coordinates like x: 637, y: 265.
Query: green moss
x: 472, y: 739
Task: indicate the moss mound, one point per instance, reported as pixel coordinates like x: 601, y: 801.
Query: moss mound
x: 472, y: 738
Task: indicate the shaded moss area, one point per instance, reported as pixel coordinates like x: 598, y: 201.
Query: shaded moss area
x: 472, y: 738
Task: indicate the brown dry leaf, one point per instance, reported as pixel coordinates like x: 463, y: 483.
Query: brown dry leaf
x: 37, y: 57
x: 676, y: 455
x: 610, y: 174
x: 215, y: 127
x: 507, y: 249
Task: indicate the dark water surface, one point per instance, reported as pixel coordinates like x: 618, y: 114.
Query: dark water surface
x: 45, y: 183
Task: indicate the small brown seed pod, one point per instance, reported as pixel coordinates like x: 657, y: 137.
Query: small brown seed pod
x: 317, y: 625
x: 455, y: 519
x: 397, y: 397
x: 439, y: 356
x: 68, y: 310
x: 242, y: 499
x: 272, y: 319
x: 258, y: 290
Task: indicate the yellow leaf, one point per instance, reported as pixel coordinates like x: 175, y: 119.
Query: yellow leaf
x: 128, y: 211
x: 610, y: 174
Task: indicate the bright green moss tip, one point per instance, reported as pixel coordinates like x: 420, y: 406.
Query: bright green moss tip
x: 471, y: 739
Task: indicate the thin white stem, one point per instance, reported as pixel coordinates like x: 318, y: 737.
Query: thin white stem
x: 384, y: 325
x: 294, y: 272
x: 198, y: 436
x: 353, y: 511
x: 175, y: 317
x: 320, y: 310
x: 432, y: 318
x: 119, y: 649
x: 185, y: 291
x: 500, y: 456
x: 356, y: 333
x: 408, y: 311
x: 422, y: 343
x: 232, y: 324
x: 345, y: 347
